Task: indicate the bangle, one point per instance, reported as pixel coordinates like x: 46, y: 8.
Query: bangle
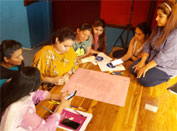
x: 70, y: 72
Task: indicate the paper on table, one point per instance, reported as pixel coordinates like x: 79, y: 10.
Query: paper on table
x: 104, y: 56
x: 103, y: 67
x: 151, y: 107
x: 88, y: 59
x: 99, y: 86
x: 94, y: 62
x: 117, y: 62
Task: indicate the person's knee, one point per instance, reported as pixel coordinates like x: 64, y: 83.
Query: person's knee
x: 145, y: 82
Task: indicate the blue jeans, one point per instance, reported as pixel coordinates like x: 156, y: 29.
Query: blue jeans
x: 152, y: 77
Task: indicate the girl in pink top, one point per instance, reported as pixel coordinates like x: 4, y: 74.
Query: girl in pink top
x: 98, y: 36
x: 18, y: 101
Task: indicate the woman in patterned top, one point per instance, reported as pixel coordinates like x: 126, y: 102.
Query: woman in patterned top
x: 57, y: 61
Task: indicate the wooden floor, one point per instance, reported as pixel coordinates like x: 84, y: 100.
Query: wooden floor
x: 134, y: 116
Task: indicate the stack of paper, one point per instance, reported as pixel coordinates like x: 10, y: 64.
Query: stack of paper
x: 103, y: 62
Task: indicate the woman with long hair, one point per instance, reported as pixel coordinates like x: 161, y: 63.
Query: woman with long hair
x: 57, y: 60
x: 98, y: 36
x: 159, y: 60
x: 18, y: 101
x: 11, y: 59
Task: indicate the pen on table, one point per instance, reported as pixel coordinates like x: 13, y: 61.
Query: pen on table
x: 117, y: 73
x: 57, y: 102
x: 78, y: 113
x: 47, y: 109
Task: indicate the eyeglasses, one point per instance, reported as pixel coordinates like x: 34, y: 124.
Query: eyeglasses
x: 67, y: 46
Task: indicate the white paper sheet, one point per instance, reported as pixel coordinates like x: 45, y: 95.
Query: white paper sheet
x: 88, y: 59
x: 103, y: 67
x: 117, y: 62
x: 105, y: 57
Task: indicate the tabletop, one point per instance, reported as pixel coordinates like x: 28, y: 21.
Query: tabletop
x: 133, y: 116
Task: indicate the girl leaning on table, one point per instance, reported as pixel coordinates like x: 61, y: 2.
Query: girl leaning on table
x: 57, y: 60
x: 142, y: 32
x: 159, y: 60
x: 136, y: 45
x: 82, y: 44
x: 18, y: 101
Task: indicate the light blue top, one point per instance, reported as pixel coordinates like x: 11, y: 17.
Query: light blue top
x: 2, y: 81
x: 84, y: 45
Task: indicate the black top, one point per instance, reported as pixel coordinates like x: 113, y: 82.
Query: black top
x: 6, y: 73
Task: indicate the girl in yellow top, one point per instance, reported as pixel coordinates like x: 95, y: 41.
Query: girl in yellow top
x: 57, y: 61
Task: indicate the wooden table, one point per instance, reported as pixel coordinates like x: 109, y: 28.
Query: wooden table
x: 132, y: 116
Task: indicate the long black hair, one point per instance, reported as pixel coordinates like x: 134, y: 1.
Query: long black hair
x: 7, y: 48
x: 84, y: 26
x: 102, y: 38
x: 145, y: 28
x: 23, y: 82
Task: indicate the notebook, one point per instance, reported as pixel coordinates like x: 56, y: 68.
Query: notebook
x: 80, y: 117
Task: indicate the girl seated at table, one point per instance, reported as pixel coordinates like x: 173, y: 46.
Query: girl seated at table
x: 98, y: 36
x: 18, y: 101
x: 136, y: 45
x: 82, y: 44
x: 11, y: 59
x: 57, y: 60
x: 159, y: 59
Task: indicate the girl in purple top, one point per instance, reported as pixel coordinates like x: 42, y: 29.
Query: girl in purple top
x: 159, y: 60
x: 18, y: 101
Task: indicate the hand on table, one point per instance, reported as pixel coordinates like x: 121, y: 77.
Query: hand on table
x: 59, y: 80
x: 64, y: 103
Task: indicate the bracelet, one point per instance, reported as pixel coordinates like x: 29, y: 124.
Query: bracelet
x: 70, y: 72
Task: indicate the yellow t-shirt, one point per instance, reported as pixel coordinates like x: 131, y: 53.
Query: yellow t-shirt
x: 52, y: 64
